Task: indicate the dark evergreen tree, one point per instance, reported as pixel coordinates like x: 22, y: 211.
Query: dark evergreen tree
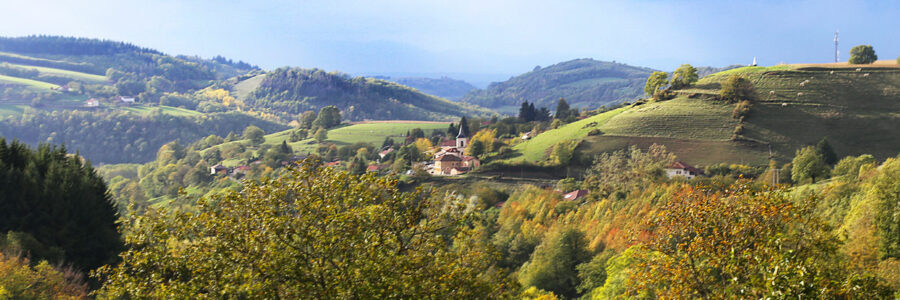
x: 388, y: 142
x: 463, y: 128
x: 451, y: 130
x: 59, y: 200
x: 562, y: 109
x: 824, y: 148
x: 525, y: 113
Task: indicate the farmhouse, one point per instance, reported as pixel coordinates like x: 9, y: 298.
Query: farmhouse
x: 574, y: 195
x: 125, y: 100
x: 384, y: 153
x: 93, y: 102
x: 218, y: 169
x: 682, y: 169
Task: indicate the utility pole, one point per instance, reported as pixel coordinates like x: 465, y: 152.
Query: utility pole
x: 837, y: 53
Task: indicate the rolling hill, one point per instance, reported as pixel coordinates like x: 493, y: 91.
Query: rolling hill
x: 584, y: 83
x: 295, y: 90
x: 857, y: 107
x: 444, y: 87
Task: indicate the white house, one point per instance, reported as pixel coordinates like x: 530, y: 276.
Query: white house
x: 92, y: 103
x: 126, y: 100
x: 682, y: 169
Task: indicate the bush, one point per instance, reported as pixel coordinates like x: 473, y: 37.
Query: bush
x: 737, y: 88
x: 741, y: 109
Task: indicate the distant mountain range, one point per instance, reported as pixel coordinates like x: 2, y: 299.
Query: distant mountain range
x: 444, y: 87
x: 584, y: 83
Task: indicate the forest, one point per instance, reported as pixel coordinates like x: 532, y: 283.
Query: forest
x: 123, y: 137
x: 295, y: 90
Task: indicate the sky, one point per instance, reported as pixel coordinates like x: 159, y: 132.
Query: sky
x: 472, y: 39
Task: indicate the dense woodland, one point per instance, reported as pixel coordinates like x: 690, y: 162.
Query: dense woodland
x: 295, y: 90
x: 585, y: 83
x: 55, y: 207
x: 120, y: 137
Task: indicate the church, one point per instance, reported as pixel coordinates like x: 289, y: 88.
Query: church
x: 451, y: 159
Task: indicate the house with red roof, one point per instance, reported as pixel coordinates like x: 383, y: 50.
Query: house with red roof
x: 574, y: 195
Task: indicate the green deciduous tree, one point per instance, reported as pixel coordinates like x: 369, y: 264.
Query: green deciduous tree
x: 476, y: 148
x: 321, y: 135
x: 808, y: 164
x: 655, y: 82
x: 328, y: 117
x: 312, y: 233
x: 737, y: 88
x: 254, y: 134
x: 684, y: 76
x: 886, y: 189
x: 862, y: 54
x: 553, y: 264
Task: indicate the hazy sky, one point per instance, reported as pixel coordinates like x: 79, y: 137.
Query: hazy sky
x: 488, y: 37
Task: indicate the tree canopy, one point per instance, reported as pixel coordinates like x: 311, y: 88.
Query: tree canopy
x: 737, y: 88
x: 60, y: 201
x: 684, y: 76
x: 314, y: 232
x: 808, y: 164
x: 655, y: 82
x: 862, y: 54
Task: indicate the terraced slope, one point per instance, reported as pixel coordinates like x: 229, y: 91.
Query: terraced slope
x: 856, y: 107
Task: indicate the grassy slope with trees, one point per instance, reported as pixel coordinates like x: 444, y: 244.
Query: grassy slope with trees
x: 584, y: 83
x: 795, y: 106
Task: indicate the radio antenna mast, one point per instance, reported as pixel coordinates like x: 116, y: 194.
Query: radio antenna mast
x: 837, y: 53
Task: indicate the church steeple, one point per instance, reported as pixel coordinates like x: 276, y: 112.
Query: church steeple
x: 463, y: 128
x: 462, y: 139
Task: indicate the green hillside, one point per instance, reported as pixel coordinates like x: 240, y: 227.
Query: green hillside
x: 856, y: 107
x: 295, y: 90
x: 584, y: 83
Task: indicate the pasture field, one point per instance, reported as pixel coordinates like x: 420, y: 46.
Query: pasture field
x: 31, y: 84
x: 856, y: 107
x: 12, y: 109
x: 243, y: 88
x: 91, y: 78
x: 169, y: 110
x: 370, y: 132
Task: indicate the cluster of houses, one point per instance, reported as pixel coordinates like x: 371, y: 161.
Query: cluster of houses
x: 451, y: 159
x: 119, y: 100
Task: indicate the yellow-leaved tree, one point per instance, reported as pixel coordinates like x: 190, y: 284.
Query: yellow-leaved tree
x: 315, y: 233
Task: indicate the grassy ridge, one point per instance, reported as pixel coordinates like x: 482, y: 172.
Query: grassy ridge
x: 859, y: 112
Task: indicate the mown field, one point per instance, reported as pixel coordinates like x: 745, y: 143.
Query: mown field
x: 373, y: 133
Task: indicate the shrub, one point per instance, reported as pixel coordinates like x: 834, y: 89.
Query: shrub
x: 737, y: 88
x: 741, y: 109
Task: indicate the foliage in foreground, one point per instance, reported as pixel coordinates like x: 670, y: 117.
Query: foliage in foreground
x: 20, y: 280
x: 315, y: 232
x: 744, y: 243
